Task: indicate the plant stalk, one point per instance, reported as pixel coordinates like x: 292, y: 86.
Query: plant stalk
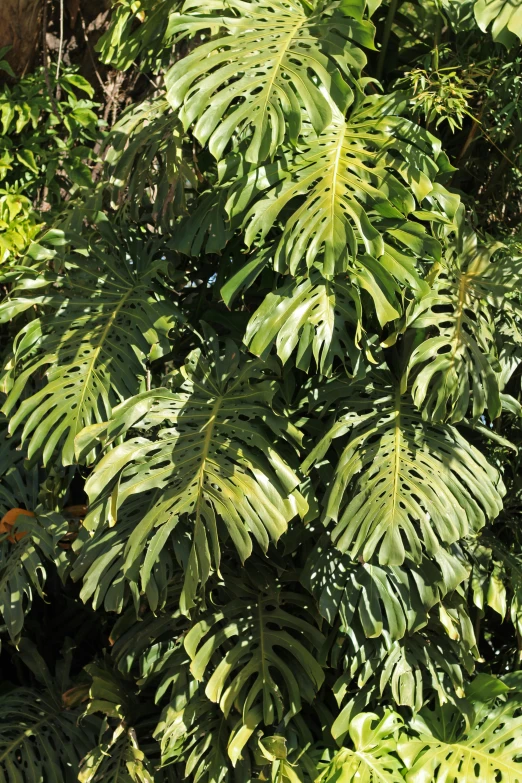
x: 386, y: 37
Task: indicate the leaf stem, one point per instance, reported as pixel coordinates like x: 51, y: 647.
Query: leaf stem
x: 386, y: 37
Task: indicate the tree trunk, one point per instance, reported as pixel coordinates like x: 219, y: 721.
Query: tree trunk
x: 20, y: 26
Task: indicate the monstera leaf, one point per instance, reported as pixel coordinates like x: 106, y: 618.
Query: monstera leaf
x: 18, y: 485
x: 39, y: 739
x: 315, y: 317
x: 496, y: 579
x: 352, y: 188
x: 102, y: 319
x: 489, y: 751
x: 373, y: 758
x: 272, y: 61
x: 213, y: 461
x: 504, y: 16
x: 388, y: 600
x: 402, y: 484
x: 25, y: 558
x: 151, y: 649
x: 151, y: 165
x: 275, y: 670
x: 432, y: 662
x: 116, y: 760
x: 118, y: 756
x: 459, y: 364
x: 196, y: 735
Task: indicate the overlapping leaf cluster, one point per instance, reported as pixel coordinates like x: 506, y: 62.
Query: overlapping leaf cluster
x: 252, y: 397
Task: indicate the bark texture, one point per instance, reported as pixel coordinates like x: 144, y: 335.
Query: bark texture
x: 20, y: 28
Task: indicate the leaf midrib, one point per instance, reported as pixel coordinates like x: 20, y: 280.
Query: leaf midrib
x: 277, y: 65
x: 205, y: 451
x: 48, y: 717
x: 96, y: 353
x: 369, y: 761
x: 397, y: 441
x: 457, y: 336
x: 333, y: 182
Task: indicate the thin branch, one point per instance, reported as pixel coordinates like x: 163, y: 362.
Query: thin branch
x: 60, y: 50
x: 90, y: 50
x: 386, y: 37
x: 54, y: 105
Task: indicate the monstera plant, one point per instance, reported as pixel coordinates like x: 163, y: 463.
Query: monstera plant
x: 260, y: 397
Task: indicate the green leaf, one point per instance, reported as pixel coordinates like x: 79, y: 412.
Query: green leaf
x: 373, y: 758
x: 352, y: 199
x: 207, y: 227
x: 402, y: 484
x: 79, y: 82
x: 26, y: 158
x: 458, y: 366
x: 488, y: 752
x: 428, y: 663
x: 84, y: 116
x: 197, y: 735
x: 215, y: 457
x: 244, y: 277
x: 505, y: 18
x: 18, y: 485
x: 278, y: 666
x: 116, y: 760
x: 269, y: 64
x: 313, y: 317
x: 79, y: 173
x: 144, y: 160
x: 106, y: 316
x: 485, y: 689
x: 24, y: 565
x: 39, y: 739
x: 4, y: 66
x: 380, y: 600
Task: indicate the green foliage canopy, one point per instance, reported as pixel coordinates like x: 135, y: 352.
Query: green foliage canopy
x: 260, y: 396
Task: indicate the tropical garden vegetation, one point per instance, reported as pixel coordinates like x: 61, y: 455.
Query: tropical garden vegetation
x: 260, y: 387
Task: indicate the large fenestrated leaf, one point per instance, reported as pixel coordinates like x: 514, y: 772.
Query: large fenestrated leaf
x: 379, y: 600
x: 197, y: 735
x: 402, y: 484
x: 102, y: 319
x: 206, y: 229
x: 272, y: 60
x: 150, y: 649
x: 213, y: 461
x: 124, y: 42
x: 119, y: 755
x: 145, y: 167
x: 117, y: 759
x: 40, y: 740
x: 457, y: 366
x: 490, y: 751
x: 258, y: 652
x: 430, y: 663
x: 315, y: 317
x: 347, y: 198
x: 504, y: 16
x: 373, y: 757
